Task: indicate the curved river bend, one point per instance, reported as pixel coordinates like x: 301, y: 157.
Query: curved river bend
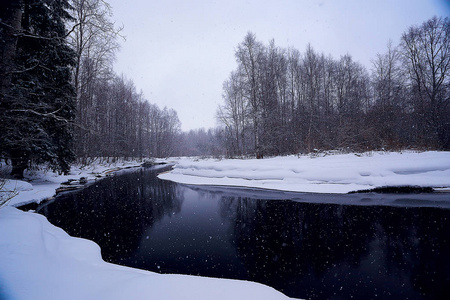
x: 298, y: 244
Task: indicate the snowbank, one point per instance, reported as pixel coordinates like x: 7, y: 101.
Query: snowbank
x: 341, y: 173
x: 41, y: 261
x: 42, y: 184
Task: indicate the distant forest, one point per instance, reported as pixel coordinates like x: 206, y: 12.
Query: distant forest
x: 281, y: 101
x: 60, y: 99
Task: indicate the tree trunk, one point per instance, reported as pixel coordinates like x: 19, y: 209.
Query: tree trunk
x: 19, y: 162
x: 11, y: 15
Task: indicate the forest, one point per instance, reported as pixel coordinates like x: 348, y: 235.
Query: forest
x: 281, y: 101
x: 61, y: 101
x: 60, y: 98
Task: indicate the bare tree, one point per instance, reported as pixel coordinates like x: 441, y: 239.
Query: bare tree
x: 312, y: 79
x: 352, y: 87
x: 273, y: 71
x: 249, y: 55
x: 94, y: 38
x: 292, y: 101
x: 165, y: 131
x: 233, y: 114
x: 387, y: 112
x: 426, y: 49
x: 6, y: 194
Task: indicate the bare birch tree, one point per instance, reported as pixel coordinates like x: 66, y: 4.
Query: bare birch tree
x: 94, y: 38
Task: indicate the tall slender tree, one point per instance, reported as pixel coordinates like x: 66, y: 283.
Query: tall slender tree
x: 94, y: 38
x: 250, y: 55
x: 426, y: 50
x: 387, y: 112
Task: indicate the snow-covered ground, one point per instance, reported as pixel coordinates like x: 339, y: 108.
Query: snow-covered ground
x: 40, y: 261
x: 340, y: 173
x: 321, y: 173
x: 42, y: 184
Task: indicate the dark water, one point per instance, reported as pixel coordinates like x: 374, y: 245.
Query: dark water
x: 305, y: 250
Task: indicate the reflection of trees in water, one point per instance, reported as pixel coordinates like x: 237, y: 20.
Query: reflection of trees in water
x: 316, y: 249
x: 115, y: 211
x: 267, y: 239
x: 303, y: 249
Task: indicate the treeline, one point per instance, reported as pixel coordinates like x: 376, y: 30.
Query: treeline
x: 202, y: 142
x: 60, y: 99
x: 281, y: 101
x: 112, y: 118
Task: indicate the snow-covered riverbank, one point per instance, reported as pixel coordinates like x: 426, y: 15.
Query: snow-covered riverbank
x: 40, y: 261
x: 340, y: 173
x: 39, y: 185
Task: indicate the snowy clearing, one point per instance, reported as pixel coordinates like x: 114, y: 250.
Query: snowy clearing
x: 340, y: 173
x: 41, y: 261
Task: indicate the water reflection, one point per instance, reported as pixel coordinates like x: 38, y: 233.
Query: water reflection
x: 115, y: 212
x: 331, y: 251
x: 306, y: 250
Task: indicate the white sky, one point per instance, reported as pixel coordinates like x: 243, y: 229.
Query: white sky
x: 180, y: 52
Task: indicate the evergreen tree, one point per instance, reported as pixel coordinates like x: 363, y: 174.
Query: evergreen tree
x: 37, y: 106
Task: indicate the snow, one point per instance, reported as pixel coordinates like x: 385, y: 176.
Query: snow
x: 340, y: 173
x: 41, y: 184
x: 41, y: 261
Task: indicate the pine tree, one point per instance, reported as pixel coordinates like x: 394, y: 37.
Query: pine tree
x: 37, y: 106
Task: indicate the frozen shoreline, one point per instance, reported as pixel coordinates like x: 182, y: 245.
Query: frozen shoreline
x: 328, y: 174
x: 41, y: 261
x: 333, y: 174
x: 41, y: 185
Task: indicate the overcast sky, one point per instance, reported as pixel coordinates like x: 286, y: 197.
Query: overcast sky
x: 180, y: 52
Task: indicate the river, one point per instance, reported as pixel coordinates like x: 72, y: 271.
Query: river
x: 306, y: 246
